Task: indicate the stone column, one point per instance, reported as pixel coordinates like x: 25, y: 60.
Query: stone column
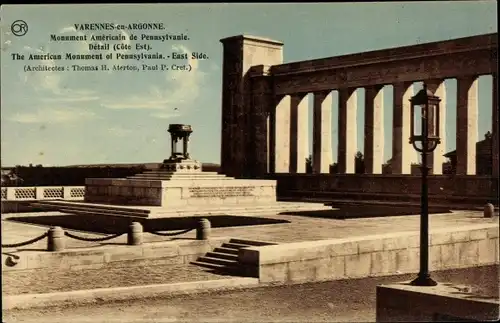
x: 185, y: 146
x: 403, y: 153
x: 374, y: 130
x: 298, y: 133
x: 494, y: 128
x: 322, y: 132
x: 172, y: 146
x: 347, y: 140
x: 240, y: 53
x: 264, y: 105
x: 282, y: 135
x: 436, y: 158
x: 467, y: 110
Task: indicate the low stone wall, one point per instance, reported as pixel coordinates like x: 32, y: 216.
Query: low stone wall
x: 169, y: 252
x: 442, y: 303
x: 439, y: 185
x: 378, y: 255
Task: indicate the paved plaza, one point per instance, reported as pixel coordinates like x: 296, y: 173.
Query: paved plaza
x: 306, y: 227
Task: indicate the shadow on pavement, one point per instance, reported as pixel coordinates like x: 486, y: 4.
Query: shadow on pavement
x: 115, y: 225
x: 363, y: 211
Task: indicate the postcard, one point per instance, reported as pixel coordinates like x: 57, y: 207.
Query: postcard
x: 249, y: 162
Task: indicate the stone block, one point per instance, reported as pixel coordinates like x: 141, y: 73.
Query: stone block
x: 344, y: 249
x: 440, y: 238
x: 435, y: 260
x: 330, y: 268
x: 357, y: 265
x: 383, y: 262
x: 273, y: 273
x: 403, y: 264
x: 487, y: 251
x: 478, y: 234
x: 406, y: 303
x: 450, y: 257
x: 414, y: 259
x: 460, y: 236
x: 49, y: 260
x: 368, y: 246
x: 294, y: 252
x: 303, y: 271
x: 397, y: 243
x: 194, y: 249
x: 160, y: 251
x: 468, y: 253
x: 124, y: 254
x: 413, y: 241
x: 493, y: 232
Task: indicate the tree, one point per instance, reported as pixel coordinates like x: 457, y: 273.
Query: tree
x: 359, y: 163
x: 309, y: 167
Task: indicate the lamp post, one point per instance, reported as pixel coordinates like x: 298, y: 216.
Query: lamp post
x: 426, y: 106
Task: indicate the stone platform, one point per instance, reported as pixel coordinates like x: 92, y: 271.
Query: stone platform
x: 178, y: 189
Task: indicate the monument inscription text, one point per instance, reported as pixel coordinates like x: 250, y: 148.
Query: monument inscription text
x: 221, y: 192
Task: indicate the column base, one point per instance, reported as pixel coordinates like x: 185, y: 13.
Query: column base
x: 423, y: 280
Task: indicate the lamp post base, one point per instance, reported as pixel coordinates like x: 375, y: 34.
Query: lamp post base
x: 423, y: 280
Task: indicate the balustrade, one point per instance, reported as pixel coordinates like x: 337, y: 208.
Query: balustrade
x: 42, y: 193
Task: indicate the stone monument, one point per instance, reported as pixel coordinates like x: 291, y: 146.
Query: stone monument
x: 178, y: 187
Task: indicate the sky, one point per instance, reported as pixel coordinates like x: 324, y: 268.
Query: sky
x: 69, y: 117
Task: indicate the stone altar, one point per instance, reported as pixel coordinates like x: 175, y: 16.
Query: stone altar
x: 177, y: 188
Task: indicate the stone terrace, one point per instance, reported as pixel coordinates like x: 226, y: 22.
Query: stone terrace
x: 300, y: 228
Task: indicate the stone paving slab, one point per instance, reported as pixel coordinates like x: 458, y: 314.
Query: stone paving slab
x: 315, y: 226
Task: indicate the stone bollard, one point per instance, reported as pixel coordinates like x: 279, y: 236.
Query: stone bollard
x: 203, y: 229
x: 489, y: 210
x: 56, y: 240
x: 135, y: 236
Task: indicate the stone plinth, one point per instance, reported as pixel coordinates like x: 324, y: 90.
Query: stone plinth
x: 442, y: 303
x: 179, y: 184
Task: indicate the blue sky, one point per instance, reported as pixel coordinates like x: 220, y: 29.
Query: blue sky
x: 63, y: 118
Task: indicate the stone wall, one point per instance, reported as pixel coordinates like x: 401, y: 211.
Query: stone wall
x: 170, y: 252
x: 367, y: 256
x: 439, y: 185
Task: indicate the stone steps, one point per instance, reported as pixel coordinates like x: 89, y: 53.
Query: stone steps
x: 224, y: 259
x: 156, y: 212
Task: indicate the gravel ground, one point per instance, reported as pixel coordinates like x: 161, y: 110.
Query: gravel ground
x: 48, y: 280
x: 336, y: 301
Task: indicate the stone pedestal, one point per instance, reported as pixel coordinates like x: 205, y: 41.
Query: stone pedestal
x: 179, y: 184
x: 442, y: 303
x: 178, y: 188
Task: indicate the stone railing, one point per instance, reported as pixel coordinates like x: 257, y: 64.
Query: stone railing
x: 265, y: 107
x: 42, y: 193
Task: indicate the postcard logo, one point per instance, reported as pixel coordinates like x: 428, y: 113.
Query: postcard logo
x: 19, y: 28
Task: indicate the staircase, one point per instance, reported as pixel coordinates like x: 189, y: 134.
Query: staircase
x: 224, y: 259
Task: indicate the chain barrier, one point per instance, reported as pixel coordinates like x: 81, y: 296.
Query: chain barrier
x: 22, y: 244
x: 165, y: 234
x: 92, y: 239
x: 70, y: 235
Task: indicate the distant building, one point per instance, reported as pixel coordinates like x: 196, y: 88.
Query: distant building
x: 483, y: 156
